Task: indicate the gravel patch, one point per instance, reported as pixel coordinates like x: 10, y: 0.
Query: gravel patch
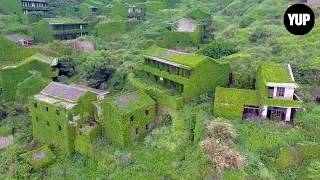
x: 5, y: 141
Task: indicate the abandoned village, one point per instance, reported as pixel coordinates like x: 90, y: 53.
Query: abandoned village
x: 69, y: 117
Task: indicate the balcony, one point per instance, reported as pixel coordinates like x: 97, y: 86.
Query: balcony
x: 35, y: 8
x: 164, y: 74
x: 69, y: 31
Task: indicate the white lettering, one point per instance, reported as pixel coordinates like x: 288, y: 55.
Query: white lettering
x: 306, y: 17
x: 291, y: 18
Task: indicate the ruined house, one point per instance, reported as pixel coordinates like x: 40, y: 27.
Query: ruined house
x: 63, y: 116
x: 275, y: 96
x: 191, y: 30
x: 126, y: 117
x: 188, y: 74
x: 49, y: 29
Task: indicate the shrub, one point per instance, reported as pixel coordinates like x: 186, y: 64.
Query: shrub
x: 218, y: 49
x: 221, y: 131
x: 224, y: 157
x: 285, y: 159
x: 314, y: 170
x: 309, y: 150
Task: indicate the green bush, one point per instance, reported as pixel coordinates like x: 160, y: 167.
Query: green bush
x: 308, y: 150
x: 106, y: 29
x: 231, y: 175
x: 218, y: 49
x: 285, y: 160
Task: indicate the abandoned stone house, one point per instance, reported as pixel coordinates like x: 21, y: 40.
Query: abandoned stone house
x: 34, y: 6
x: 191, y: 30
x: 49, y: 29
x: 70, y: 117
x: 136, y: 13
x: 188, y: 74
x: 275, y: 96
x: 63, y: 114
x: 126, y: 117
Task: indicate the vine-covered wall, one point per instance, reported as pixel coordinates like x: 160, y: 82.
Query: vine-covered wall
x: 106, y: 29
x: 10, y: 7
x: 43, y: 32
x: 31, y: 86
x: 11, y: 77
x: 83, y: 142
x: 119, y: 9
x: 10, y: 53
x: 51, y: 127
x: 206, y: 77
x: 120, y: 127
x: 181, y: 39
x: 160, y: 97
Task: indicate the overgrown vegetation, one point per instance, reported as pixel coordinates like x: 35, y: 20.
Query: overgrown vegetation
x: 191, y: 144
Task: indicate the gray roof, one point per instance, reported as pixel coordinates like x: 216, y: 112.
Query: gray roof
x: 68, y: 92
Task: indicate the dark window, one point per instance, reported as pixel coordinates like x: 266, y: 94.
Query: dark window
x: 57, y: 111
x: 48, y: 124
x: 187, y: 73
x: 147, y: 112
x: 147, y: 127
x: 280, y: 91
x: 35, y: 105
x: 131, y: 118
x: 137, y: 131
x: 37, y: 119
x: 59, y: 127
x: 46, y: 108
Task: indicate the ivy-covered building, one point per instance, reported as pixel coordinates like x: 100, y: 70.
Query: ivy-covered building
x: 275, y: 96
x: 136, y: 13
x: 35, y: 6
x: 23, y: 6
x: 187, y: 74
x: 29, y: 77
x: 49, y: 29
x: 63, y: 116
x: 125, y: 117
x: 191, y: 30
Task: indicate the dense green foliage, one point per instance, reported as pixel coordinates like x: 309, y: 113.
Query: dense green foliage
x: 106, y: 29
x: 10, y: 7
x: 43, y: 32
x: 11, y: 77
x: 218, y: 49
x: 31, y: 86
x: 256, y: 30
x: 11, y: 54
x: 46, y: 157
x: 126, y: 117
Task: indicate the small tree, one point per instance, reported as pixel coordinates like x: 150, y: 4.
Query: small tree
x: 218, y: 49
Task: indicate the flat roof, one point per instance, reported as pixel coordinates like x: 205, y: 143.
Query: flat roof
x: 50, y: 100
x: 68, y: 92
x: 65, y: 21
x: 129, y: 102
x: 276, y: 73
x: 180, y: 58
x: 238, y: 97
